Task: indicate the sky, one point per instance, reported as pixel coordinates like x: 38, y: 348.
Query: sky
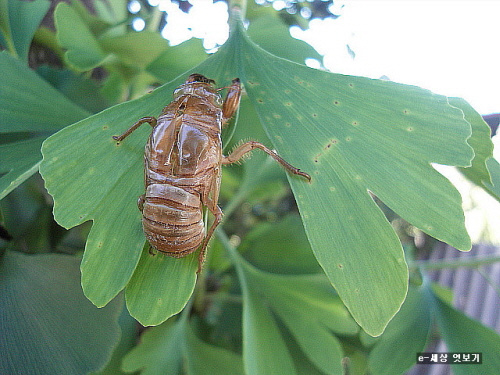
x: 447, y: 46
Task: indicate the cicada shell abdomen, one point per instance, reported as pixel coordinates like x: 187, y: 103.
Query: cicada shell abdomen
x: 172, y: 219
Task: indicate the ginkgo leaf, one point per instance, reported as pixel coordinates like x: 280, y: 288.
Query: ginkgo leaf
x: 160, y: 350
x: 353, y: 135
x: 18, y: 161
x: 18, y: 23
x: 406, y: 333
x: 173, y: 283
x: 264, y: 348
x: 483, y: 170
x: 47, y: 325
x: 171, y: 62
x: 172, y: 346
x: 136, y: 49
x: 205, y: 359
x: 28, y: 104
x: 83, y: 49
x: 289, y: 296
x: 273, y: 35
x: 494, y: 187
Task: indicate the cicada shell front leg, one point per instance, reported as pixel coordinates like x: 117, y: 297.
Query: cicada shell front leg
x: 241, y: 150
x: 217, y: 212
x: 231, y: 104
x: 232, y: 101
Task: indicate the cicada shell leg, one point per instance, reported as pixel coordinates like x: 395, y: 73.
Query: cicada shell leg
x: 217, y: 212
x: 152, y: 251
x: 232, y: 101
x: 140, y: 202
x: 238, y: 153
x: 150, y: 120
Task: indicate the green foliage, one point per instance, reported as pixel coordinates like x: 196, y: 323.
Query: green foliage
x: 462, y: 333
x: 28, y: 109
x: 264, y: 303
x: 15, y: 170
x: 260, y: 29
x: 168, y: 348
x: 83, y: 50
x: 18, y: 23
x: 46, y: 320
x: 158, y: 288
x: 483, y: 164
x: 336, y: 157
x: 268, y: 295
x: 406, y: 333
x: 411, y: 327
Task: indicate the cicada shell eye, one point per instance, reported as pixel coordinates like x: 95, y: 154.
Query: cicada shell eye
x: 208, y: 93
x: 183, y: 90
x: 178, y: 92
x: 201, y: 91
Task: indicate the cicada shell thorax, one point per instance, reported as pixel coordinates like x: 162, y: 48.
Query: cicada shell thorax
x: 186, y: 140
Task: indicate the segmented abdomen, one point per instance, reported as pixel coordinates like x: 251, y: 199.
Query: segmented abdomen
x: 172, y: 219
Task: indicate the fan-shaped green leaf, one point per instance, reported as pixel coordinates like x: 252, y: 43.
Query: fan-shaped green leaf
x: 280, y: 247
x: 30, y: 104
x: 160, y: 288
x: 352, y: 134
x: 18, y: 161
x: 135, y: 48
x: 128, y: 340
x: 264, y: 349
x: 47, y: 325
x: 83, y: 50
x: 27, y: 104
x: 173, y: 345
x: 480, y: 141
x: 406, y: 334
x: 355, y: 135
x: 18, y: 23
x: 173, y: 60
x: 81, y: 90
x: 479, y: 171
x: 160, y: 350
x: 205, y: 359
x: 494, y: 187
x: 306, y: 304
x: 311, y: 311
x: 273, y: 35
x: 84, y: 178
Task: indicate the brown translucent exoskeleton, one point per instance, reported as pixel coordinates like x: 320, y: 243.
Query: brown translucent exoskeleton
x: 182, y: 166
